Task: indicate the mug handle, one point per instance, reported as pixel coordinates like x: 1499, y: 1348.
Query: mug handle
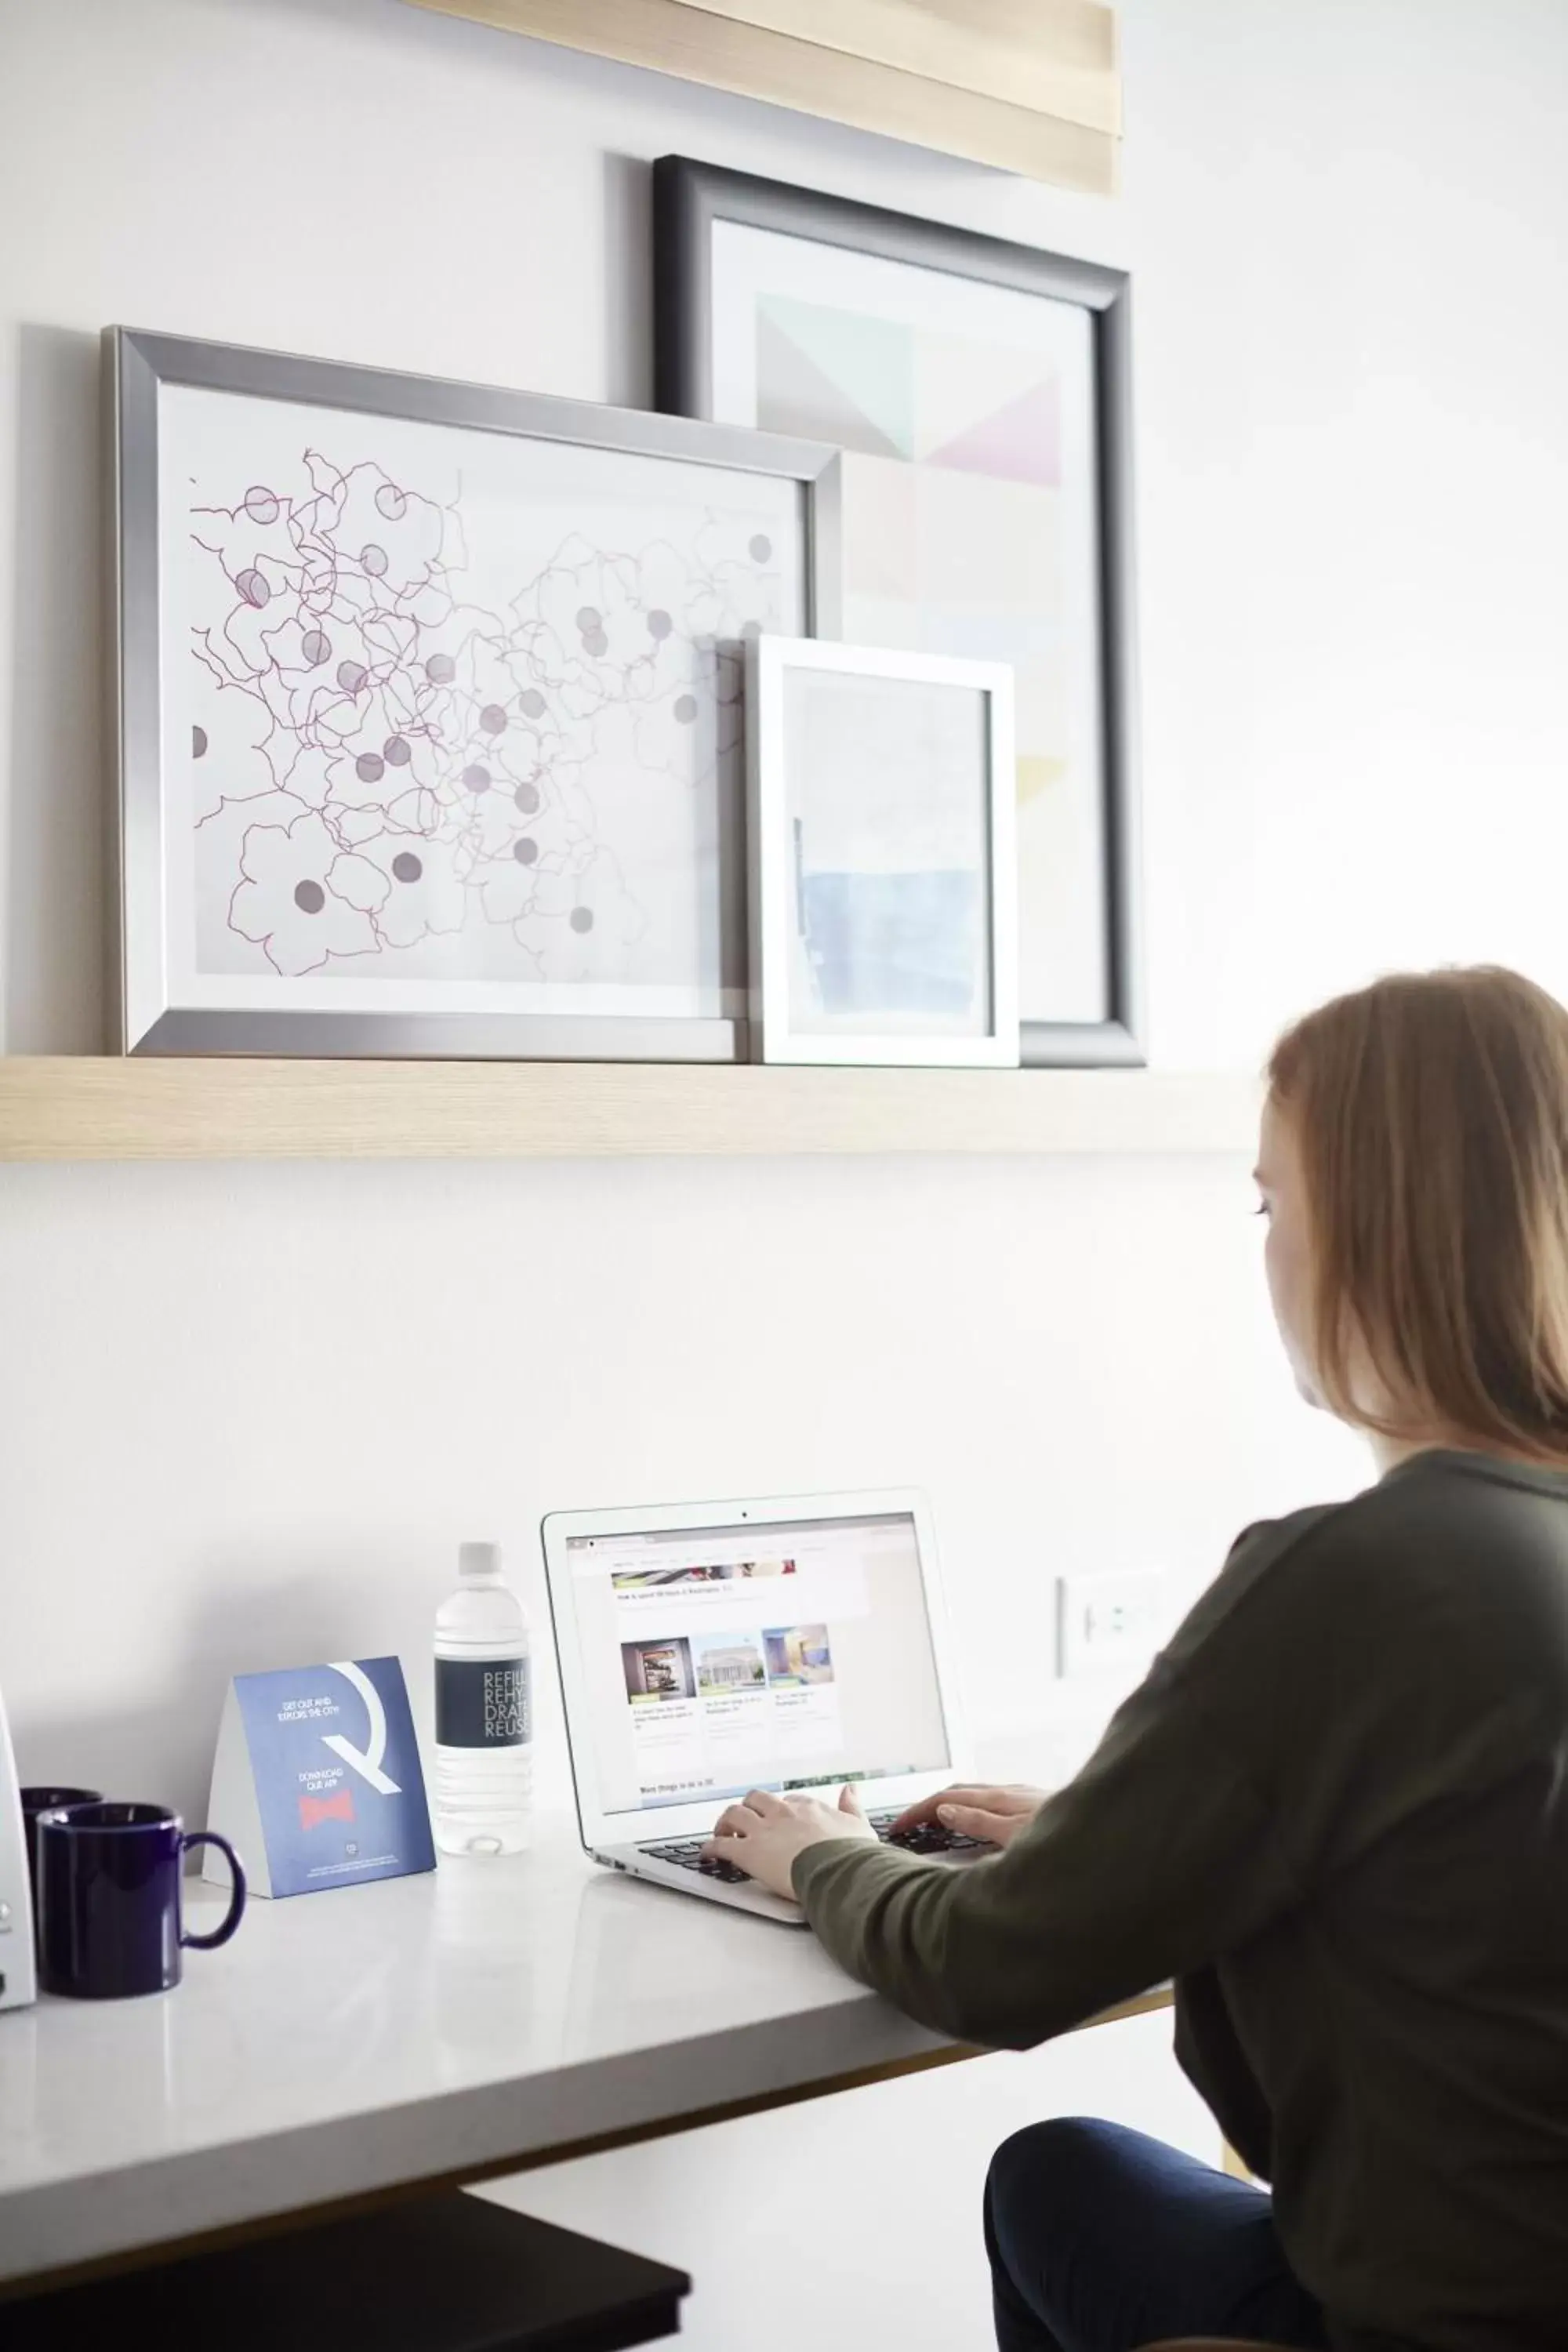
x: 231, y: 1919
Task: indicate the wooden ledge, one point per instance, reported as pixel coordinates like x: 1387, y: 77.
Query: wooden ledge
x: 84, y: 1107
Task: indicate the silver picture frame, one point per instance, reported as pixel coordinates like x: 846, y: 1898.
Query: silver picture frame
x: 156, y: 1016
x: 973, y: 700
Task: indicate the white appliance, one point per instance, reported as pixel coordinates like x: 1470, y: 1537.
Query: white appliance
x: 706, y: 1649
x: 17, y: 1983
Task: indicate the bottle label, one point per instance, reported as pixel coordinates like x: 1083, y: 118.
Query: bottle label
x: 482, y: 1702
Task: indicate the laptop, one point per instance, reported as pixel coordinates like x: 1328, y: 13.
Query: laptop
x: 710, y: 1649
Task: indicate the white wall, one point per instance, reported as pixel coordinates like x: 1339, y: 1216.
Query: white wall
x: 1344, y: 218
x: 245, y: 1411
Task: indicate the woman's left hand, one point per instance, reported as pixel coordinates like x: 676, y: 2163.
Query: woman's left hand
x: 762, y: 1834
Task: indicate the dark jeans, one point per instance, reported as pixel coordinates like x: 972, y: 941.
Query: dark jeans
x: 1102, y: 2240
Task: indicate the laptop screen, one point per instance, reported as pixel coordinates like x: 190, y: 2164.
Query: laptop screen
x: 779, y: 1656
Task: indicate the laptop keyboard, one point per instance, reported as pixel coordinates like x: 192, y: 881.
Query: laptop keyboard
x: 930, y: 1837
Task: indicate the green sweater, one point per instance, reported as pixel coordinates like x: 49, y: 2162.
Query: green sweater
x: 1336, y: 1813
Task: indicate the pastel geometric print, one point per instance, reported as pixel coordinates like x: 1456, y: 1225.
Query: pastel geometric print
x: 835, y: 375
x: 886, y: 389
x: 1020, y: 441
x: 955, y: 539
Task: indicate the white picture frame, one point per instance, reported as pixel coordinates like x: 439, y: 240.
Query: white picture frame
x: 882, y: 866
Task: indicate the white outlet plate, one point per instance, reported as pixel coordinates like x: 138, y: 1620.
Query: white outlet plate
x: 1105, y: 1622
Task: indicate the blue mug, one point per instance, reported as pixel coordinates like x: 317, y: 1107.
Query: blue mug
x: 108, y: 1899
x: 47, y: 1800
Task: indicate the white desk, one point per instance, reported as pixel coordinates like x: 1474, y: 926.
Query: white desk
x: 459, y: 2024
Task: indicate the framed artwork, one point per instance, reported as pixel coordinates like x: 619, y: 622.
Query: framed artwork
x: 430, y: 726
x: 884, y: 883
x: 979, y: 391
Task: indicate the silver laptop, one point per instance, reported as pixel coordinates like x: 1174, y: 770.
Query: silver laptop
x: 709, y: 1649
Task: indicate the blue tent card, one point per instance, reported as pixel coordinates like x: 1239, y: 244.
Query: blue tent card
x: 317, y: 1778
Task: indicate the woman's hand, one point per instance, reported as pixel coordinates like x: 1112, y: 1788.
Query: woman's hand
x: 762, y: 1834
x: 993, y: 1815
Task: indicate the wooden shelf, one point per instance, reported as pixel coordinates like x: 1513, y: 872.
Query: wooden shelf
x: 1033, y: 86
x: 83, y: 1107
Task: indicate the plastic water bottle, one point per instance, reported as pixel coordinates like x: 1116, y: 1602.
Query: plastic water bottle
x: 484, y: 1711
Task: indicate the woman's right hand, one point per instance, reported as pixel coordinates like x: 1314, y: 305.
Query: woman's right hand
x: 993, y: 1815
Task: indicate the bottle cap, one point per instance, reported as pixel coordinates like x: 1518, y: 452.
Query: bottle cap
x: 479, y: 1559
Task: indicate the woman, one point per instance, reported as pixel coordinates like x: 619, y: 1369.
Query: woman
x: 1337, y: 1811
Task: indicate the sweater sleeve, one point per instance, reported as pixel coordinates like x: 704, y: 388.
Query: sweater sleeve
x: 1157, y: 1857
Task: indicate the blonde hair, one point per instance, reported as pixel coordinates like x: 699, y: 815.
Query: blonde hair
x: 1431, y: 1115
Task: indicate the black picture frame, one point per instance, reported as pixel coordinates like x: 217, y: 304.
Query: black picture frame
x: 689, y: 197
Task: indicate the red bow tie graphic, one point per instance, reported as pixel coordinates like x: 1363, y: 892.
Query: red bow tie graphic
x: 339, y: 1808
